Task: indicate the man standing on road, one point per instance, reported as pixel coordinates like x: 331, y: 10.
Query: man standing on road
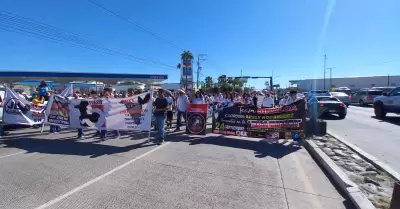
x: 182, y: 103
x: 160, y: 108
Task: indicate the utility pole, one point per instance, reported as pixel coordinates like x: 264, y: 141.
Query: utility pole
x: 324, y: 69
x: 200, y: 59
x: 330, y: 76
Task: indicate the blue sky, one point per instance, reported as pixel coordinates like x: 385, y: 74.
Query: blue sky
x: 286, y: 38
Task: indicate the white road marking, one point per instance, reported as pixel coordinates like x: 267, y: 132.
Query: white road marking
x: 79, y: 188
x: 4, y: 156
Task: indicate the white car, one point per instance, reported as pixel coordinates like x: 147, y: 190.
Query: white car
x: 387, y: 103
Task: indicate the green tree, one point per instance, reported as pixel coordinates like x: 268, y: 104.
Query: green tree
x: 187, y: 55
x: 226, y: 87
x: 266, y: 84
x: 237, y: 82
x: 238, y: 89
x: 209, y: 82
x: 221, y: 80
x: 216, y: 89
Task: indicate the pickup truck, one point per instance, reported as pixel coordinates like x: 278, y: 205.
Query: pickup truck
x: 387, y: 103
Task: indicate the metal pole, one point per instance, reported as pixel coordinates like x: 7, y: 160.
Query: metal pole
x: 198, y: 71
x: 330, y: 78
x: 324, y: 70
x: 388, y: 80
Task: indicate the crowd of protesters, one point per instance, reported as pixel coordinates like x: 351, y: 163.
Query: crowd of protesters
x: 167, y: 104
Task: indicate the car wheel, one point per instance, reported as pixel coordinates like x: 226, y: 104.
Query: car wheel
x: 378, y: 110
x: 361, y: 102
x: 342, y: 115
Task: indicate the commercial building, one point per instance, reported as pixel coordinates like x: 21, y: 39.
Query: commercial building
x: 354, y: 83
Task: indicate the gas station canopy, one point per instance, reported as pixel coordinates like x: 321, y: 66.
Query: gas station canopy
x: 66, y: 77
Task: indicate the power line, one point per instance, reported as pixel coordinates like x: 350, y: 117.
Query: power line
x: 13, y: 23
x: 136, y: 25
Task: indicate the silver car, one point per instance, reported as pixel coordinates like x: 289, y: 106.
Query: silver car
x: 343, y: 97
x: 365, y: 96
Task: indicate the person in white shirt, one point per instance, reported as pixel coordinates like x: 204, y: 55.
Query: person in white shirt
x: 182, y: 103
x: 292, y: 97
x: 170, y: 114
x: 283, y: 100
x: 268, y: 101
x: 198, y: 98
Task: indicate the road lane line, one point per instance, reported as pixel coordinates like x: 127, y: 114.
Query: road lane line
x: 307, y: 183
x: 79, y: 188
x: 4, y: 156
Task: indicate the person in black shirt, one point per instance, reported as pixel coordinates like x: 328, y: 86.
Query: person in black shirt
x: 160, y: 109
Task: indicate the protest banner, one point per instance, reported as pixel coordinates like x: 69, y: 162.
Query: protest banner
x: 132, y: 113
x: 67, y: 92
x: 271, y: 123
x: 196, y: 119
x: 18, y: 111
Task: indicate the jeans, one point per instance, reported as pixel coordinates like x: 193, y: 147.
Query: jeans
x: 178, y: 119
x: 160, y: 122
x: 54, y: 129
x: 80, y: 132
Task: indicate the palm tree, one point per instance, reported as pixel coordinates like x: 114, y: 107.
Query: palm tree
x: 187, y: 55
x: 266, y: 84
x: 179, y: 66
x: 221, y: 79
x: 209, y: 82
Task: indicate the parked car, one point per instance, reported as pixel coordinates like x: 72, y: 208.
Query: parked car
x: 365, y: 96
x: 342, y: 89
x: 387, y: 103
x: 318, y: 93
x: 343, y: 97
x: 384, y: 89
x: 326, y: 105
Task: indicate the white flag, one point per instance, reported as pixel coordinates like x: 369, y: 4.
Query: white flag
x: 17, y: 110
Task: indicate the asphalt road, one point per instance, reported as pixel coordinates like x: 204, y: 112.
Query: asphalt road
x: 58, y: 171
x: 380, y: 138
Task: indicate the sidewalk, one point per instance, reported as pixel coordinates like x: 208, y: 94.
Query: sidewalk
x: 213, y: 172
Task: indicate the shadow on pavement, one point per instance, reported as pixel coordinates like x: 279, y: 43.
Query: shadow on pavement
x: 330, y: 117
x: 366, y: 106
x: 395, y: 120
x: 69, y: 147
x: 261, y: 148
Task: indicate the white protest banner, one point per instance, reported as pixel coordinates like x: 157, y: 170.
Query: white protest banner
x: 17, y: 110
x: 132, y: 113
x: 68, y: 91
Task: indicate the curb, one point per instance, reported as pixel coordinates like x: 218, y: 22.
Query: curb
x: 368, y: 157
x: 340, y: 178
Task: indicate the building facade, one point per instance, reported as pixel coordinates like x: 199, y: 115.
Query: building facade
x: 354, y: 83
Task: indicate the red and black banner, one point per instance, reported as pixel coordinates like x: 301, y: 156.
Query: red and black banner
x: 196, y: 119
x: 284, y: 122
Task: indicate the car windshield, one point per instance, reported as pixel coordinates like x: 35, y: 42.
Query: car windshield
x: 323, y: 99
x: 375, y: 92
